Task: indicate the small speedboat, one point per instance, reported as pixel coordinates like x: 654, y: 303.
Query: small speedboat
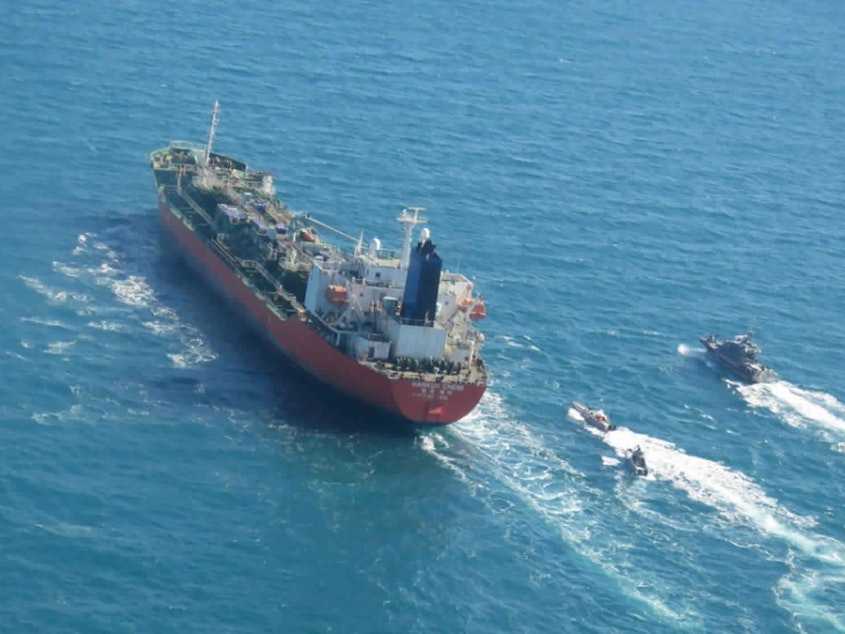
x: 636, y: 461
x: 595, y: 417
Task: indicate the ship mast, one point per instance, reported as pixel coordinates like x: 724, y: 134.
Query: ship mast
x: 214, y: 121
x: 409, y: 222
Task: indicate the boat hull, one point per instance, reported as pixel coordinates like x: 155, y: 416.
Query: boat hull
x: 591, y: 418
x: 635, y: 465
x: 745, y: 373
x: 418, y: 400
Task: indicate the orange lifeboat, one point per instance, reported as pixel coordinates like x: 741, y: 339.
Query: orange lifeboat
x: 478, y: 312
x: 307, y: 236
x: 337, y: 295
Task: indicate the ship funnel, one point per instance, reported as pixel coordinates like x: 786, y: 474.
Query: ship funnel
x: 419, y: 300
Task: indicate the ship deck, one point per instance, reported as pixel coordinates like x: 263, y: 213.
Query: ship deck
x: 284, y: 304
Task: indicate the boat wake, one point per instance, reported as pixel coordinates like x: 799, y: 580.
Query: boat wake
x: 738, y: 500
x: 54, y: 295
x: 489, y: 444
x: 802, y: 409
x: 597, y: 529
x: 94, y: 266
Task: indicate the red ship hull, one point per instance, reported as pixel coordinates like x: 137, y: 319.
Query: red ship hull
x: 416, y: 400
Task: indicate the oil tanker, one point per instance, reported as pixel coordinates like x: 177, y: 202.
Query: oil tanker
x: 390, y: 327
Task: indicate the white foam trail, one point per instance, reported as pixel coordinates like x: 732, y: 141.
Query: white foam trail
x: 81, y: 244
x: 76, y: 272
x: 549, y: 485
x: 740, y: 501
x: 131, y: 290
x: 732, y: 493
x: 55, y: 296
x: 111, y: 255
x: 65, y: 529
x: 59, y: 347
x: 86, y: 241
x: 162, y: 328
x: 53, y: 323
x: 46, y: 418
x: 135, y: 291
x: 197, y: 353
x: 799, y: 594
x: 799, y: 408
x: 67, y: 271
x: 108, y: 326
x: 512, y: 342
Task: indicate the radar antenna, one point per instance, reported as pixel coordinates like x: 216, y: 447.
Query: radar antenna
x: 409, y: 222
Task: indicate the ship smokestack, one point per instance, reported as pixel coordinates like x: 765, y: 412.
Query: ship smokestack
x: 419, y: 302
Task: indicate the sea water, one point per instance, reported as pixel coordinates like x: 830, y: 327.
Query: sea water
x: 618, y: 179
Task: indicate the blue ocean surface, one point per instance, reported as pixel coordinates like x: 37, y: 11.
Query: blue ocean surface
x: 618, y: 179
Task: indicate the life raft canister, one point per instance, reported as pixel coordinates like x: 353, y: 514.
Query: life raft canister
x: 479, y: 310
x: 337, y: 295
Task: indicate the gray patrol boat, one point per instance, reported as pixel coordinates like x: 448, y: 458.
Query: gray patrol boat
x: 740, y: 355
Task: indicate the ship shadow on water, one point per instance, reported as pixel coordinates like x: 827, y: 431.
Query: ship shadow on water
x: 263, y: 376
